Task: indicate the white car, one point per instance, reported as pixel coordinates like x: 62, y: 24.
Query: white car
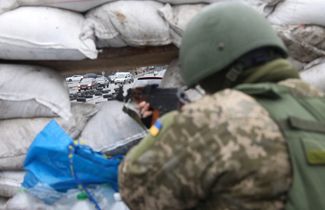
x: 123, y: 78
x: 74, y: 78
x: 147, y: 80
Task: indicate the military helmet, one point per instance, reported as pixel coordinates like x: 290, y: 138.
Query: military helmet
x: 219, y: 35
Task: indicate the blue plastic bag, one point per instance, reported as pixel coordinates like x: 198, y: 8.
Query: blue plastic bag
x: 53, y: 160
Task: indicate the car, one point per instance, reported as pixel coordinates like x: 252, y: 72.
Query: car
x: 123, y: 78
x: 146, y: 80
x: 111, y: 78
x: 74, y: 78
x: 90, y: 75
x: 102, y: 81
x: 87, y: 84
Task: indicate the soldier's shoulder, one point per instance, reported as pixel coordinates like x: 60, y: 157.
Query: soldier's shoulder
x: 228, y: 103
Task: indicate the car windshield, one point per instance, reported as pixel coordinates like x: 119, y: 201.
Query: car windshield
x: 86, y: 80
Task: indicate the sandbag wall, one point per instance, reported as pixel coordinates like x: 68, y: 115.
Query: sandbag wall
x: 31, y: 96
x: 56, y: 29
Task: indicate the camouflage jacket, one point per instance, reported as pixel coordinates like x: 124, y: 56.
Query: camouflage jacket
x: 223, y: 152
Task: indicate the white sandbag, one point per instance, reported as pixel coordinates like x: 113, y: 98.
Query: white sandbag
x: 111, y: 130
x: 136, y: 23
x: 296, y: 64
x: 43, y: 33
x: 99, y: 28
x: 264, y: 7
x: 178, y: 17
x: 16, y: 135
x: 32, y: 91
x: 188, y: 1
x: 305, y: 43
x: 299, y: 12
x: 10, y: 182
x: 314, y: 73
x: 80, y: 6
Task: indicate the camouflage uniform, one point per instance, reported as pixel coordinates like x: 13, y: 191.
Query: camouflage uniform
x: 223, y: 152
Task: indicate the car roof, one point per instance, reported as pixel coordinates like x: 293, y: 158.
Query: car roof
x: 90, y: 75
x: 143, y: 81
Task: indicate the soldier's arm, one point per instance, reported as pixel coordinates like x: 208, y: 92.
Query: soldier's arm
x: 168, y: 171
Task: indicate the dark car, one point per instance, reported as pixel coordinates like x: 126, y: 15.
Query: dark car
x: 90, y: 75
x: 87, y: 83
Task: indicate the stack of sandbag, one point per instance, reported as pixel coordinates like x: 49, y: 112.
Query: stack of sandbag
x: 43, y: 33
x: 127, y: 23
x: 301, y: 24
x: 154, y: 23
x: 110, y: 131
x: 30, y: 97
x: 56, y: 33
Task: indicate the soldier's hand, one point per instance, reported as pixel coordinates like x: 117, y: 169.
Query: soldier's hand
x: 144, y: 109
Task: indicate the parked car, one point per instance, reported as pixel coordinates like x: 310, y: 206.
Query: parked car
x: 102, y: 81
x: 146, y: 80
x: 111, y: 78
x: 123, y: 78
x: 91, y: 75
x: 87, y: 83
x: 74, y: 78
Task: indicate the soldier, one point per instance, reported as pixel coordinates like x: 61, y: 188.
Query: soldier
x: 230, y: 149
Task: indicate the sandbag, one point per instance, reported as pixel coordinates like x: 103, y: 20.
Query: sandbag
x: 81, y: 6
x: 10, y: 182
x: 188, y: 1
x: 299, y: 12
x: 305, y: 43
x: 134, y: 23
x: 314, y: 73
x: 178, y: 17
x: 296, y: 64
x: 43, y: 33
x: 32, y: 91
x: 16, y: 135
x: 111, y: 130
x: 264, y: 7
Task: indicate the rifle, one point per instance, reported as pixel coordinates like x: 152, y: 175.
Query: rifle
x: 161, y: 100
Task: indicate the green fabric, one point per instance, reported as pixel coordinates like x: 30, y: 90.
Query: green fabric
x: 218, y: 36
x: 295, y: 116
x: 149, y: 140
x: 274, y: 71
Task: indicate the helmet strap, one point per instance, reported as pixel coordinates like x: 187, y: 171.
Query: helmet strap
x: 250, y: 60
x: 233, y: 75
